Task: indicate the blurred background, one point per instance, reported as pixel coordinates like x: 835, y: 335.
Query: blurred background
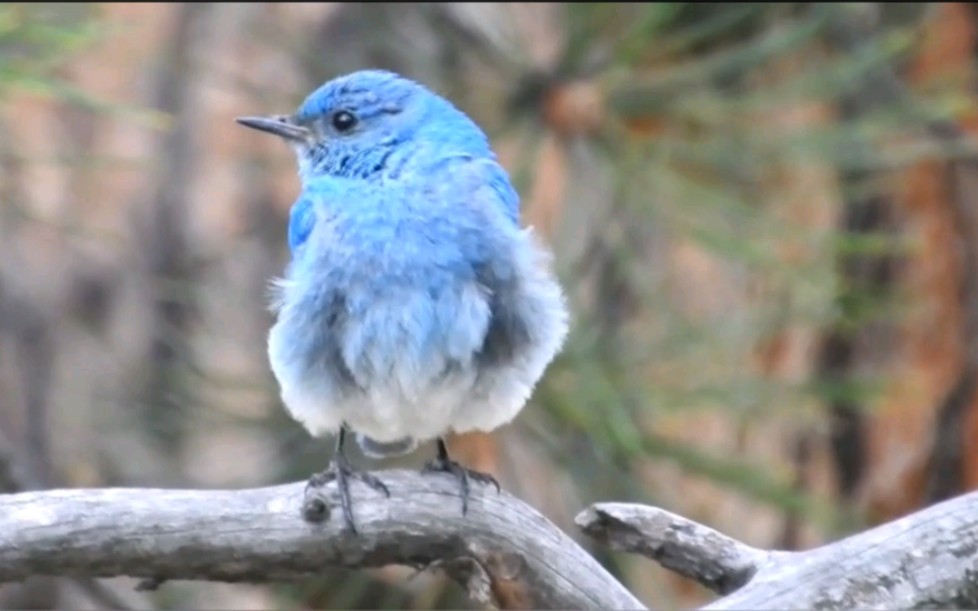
x: 766, y: 217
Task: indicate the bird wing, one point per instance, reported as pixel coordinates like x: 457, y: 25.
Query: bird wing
x: 302, y: 218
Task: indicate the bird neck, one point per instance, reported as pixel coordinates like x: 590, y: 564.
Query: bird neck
x: 397, y: 161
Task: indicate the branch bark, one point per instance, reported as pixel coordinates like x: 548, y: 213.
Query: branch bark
x: 706, y: 556
x: 927, y: 559
x: 503, y: 552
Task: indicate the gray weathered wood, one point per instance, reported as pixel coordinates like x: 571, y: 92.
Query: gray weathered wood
x: 715, y: 560
x: 504, y: 551
x: 927, y: 559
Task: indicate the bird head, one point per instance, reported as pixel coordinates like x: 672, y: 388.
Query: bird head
x: 371, y: 123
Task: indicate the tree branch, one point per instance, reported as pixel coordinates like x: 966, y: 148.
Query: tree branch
x: 927, y: 559
x: 708, y: 557
x: 503, y: 551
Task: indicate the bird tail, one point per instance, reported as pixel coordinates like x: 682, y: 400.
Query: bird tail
x: 379, y: 449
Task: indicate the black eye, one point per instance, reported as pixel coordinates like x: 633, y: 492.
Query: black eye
x: 344, y: 121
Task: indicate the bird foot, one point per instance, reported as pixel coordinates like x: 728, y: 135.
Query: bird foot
x: 342, y: 472
x: 462, y: 474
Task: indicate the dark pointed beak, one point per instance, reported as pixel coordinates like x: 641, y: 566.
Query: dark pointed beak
x: 280, y: 125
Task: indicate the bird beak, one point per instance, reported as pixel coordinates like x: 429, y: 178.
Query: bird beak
x: 280, y: 125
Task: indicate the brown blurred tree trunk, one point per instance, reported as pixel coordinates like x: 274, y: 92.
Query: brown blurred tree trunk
x: 164, y: 232
x: 907, y: 448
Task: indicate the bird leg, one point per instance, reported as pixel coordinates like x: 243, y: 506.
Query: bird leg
x: 443, y: 464
x: 342, y: 471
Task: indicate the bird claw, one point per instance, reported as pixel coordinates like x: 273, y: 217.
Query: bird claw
x: 462, y: 474
x: 342, y: 472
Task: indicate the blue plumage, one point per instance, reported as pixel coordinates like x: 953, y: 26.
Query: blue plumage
x: 414, y: 304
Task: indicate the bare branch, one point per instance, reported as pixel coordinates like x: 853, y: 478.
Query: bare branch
x: 712, y: 559
x: 501, y: 550
x: 927, y: 559
x: 13, y: 477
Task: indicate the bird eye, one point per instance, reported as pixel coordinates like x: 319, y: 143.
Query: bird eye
x: 344, y: 121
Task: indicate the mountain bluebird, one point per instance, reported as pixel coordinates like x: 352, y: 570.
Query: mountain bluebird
x: 414, y: 304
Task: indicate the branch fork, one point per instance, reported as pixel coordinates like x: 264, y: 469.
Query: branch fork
x: 504, y: 552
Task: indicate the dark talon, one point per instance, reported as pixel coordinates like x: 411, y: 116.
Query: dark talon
x: 443, y: 464
x: 315, y: 510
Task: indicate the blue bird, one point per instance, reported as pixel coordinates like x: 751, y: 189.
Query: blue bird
x: 414, y: 304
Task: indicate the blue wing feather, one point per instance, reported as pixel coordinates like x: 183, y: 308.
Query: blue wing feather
x: 302, y: 218
x: 508, y: 197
